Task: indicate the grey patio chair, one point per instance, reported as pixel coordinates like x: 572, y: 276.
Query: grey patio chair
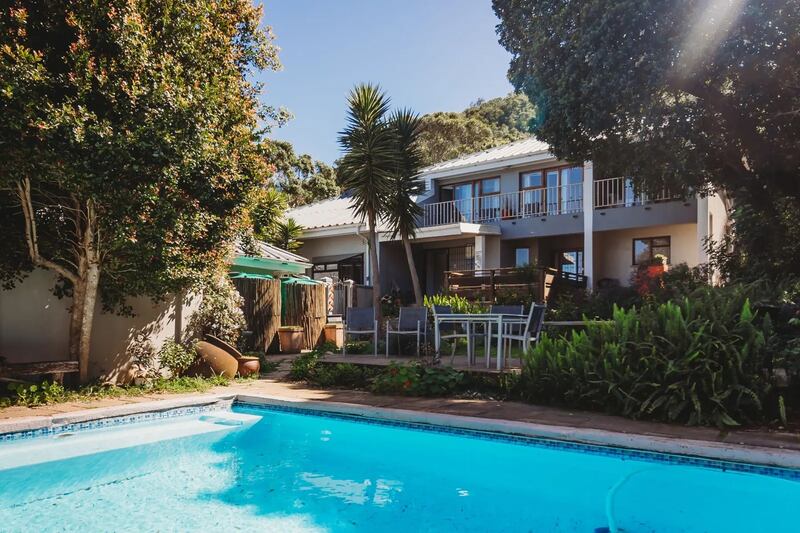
x: 412, y: 321
x: 518, y: 310
x: 532, y: 327
x: 361, y: 321
x: 453, y: 331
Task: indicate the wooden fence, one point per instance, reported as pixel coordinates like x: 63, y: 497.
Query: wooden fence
x: 306, y: 306
x: 262, y: 311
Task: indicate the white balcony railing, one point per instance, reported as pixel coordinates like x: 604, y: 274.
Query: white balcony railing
x: 518, y: 204
x: 620, y: 192
x: 611, y: 192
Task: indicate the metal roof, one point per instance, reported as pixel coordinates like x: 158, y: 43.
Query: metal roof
x: 269, y: 258
x: 521, y: 148
x: 328, y: 213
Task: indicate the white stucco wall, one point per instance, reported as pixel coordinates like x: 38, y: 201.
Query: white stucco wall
x: 34, y: 326
x: 613, y: 250
x: 342, y: 244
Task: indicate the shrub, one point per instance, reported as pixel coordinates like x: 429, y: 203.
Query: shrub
x: 459, y: 304
x: 416, y: 379
x: 220, y: 313
x: 702, y: 361
x: 44, y: 393
x: 303, y: 366
x: 176, y: 357
x: 341, y: 375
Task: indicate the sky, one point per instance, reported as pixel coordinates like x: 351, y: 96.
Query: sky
x: 429, y: 55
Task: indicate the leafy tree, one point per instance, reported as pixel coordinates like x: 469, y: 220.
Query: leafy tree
x: 303, y: 179
x: 266, y: 211
x: 682, y: 94
x: 484, y: 124
x: 129, y: 144
x: 368, y: 165
x: 286, y: 235
x: 402, y: 211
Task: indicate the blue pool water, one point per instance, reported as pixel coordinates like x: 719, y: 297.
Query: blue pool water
x: 282, y: 471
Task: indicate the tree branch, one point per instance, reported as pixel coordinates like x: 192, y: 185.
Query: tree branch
x: 24, y: 194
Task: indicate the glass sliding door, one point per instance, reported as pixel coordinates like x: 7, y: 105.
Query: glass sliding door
x: 552, y: 192
x: 462, y: 194
x: 571, y: 189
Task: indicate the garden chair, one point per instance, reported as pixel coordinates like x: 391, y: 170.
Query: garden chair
x: 517, y: 310
x: 412, y: 321
x: 361, y: 321
x: 532, y: 327
x: 452, y: 331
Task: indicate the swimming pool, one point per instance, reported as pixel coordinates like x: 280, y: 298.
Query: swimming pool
x: 275, y: 469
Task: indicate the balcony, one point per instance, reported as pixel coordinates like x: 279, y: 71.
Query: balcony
x: 566, y: 199
x: 512, y: 205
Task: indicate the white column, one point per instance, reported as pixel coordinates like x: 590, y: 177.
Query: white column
x: 588, y: 224
x: 702, y: 229
x: 480, y: 252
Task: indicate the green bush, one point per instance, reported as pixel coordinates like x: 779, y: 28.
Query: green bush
x: 341, y: 375
x: 220, y: 313
x: 459, y: 304
x: 701, y: 361
x: 416, y: 379
x: 176, y: 357
x: 303, y: 366
x: 44, y: 393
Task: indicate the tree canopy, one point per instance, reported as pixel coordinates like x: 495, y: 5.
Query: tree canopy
x: 484, y: 124
x: 303, y: 179
x: 683, y: 94
x: 130, y: 143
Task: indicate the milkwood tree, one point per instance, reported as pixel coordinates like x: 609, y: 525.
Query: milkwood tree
x: 128, y: 144
x: 684, y: 93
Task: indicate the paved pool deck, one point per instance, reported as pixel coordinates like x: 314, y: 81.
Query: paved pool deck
x: 489, y: 411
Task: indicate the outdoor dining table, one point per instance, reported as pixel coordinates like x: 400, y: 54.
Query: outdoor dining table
x: 487, y: 319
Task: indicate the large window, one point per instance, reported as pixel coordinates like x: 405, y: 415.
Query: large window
x: 570, y: 261
x: 340, y: 268
x: 488, y: 193
x: 646, y: 249
x: 522, y: 257
x: 552, y: 191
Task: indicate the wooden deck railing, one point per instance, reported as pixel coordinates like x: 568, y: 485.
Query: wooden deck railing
x: 489, y: 285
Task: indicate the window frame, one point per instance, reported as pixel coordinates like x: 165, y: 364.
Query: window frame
x: 528, y: 253
x: 650, y: 247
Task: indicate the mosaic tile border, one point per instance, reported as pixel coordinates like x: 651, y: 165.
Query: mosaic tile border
x: 595, y: 449
x: 111, y: 422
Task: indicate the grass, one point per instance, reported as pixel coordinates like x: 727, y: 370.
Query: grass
x: 47, y: 393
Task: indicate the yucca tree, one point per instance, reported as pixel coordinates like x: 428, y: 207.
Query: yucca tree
x: 402, y: 211
x: 286, y: 235
x: 368, y: 165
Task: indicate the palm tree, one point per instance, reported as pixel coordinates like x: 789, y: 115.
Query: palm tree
x: 286, y: 235
x: 402, y: 211
x: 368, y: 164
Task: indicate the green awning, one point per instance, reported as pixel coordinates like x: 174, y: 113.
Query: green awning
x: 261, y: 265
x: 248, y: 275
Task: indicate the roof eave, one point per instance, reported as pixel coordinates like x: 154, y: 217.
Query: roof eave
x: 497, y: 164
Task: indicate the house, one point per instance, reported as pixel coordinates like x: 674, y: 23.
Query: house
x: 514, y: 205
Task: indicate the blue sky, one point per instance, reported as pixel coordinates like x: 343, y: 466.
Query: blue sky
x: 430, y: 55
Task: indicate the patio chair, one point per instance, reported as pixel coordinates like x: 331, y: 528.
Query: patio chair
x: 361, y: 321
x: 498, y: 310
x: 453, y: 331
x: 532, y: 327
x: 412, y: 321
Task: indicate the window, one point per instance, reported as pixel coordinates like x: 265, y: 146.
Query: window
x: 645, y: 250
x: 522, y: 257
x: 489, y: 186
x: 488, y: 192
x: 570, y: 261
x: 531, y: 180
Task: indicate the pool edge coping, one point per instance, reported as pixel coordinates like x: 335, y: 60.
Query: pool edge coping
x: 729, y: 452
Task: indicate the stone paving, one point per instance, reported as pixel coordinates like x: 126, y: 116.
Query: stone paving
x: 275, y: 386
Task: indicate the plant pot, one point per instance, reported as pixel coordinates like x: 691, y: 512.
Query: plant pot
x: 335, y: 333
x: 213, y: 361
x: 291, y: 339
x: 248, y: 366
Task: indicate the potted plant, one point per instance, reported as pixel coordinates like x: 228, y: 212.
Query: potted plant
x: 291, y: 338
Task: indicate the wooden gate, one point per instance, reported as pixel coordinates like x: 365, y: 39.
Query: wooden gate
x: 306, y: 306
x: 262, y: 311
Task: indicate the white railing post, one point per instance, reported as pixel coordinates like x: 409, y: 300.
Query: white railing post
x: 588, y: 224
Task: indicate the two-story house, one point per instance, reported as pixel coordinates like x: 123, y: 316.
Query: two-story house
x: 515, y: 205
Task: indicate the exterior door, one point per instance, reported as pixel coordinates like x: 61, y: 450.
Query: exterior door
x: 462, y: 194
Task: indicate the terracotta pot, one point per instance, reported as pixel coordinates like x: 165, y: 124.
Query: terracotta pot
x: 213, y: 360
x: 291, y: 340
x: 248, y: 366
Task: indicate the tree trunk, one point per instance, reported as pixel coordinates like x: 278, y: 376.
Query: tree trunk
x: 87, y: 320
x: 412, y: 267
x: 373, y: 263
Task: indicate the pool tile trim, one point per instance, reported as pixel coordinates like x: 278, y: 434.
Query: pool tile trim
x: 113, y: 421
x: 594, y: 449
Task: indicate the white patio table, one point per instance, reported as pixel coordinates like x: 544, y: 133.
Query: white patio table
x: 486, y: 319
